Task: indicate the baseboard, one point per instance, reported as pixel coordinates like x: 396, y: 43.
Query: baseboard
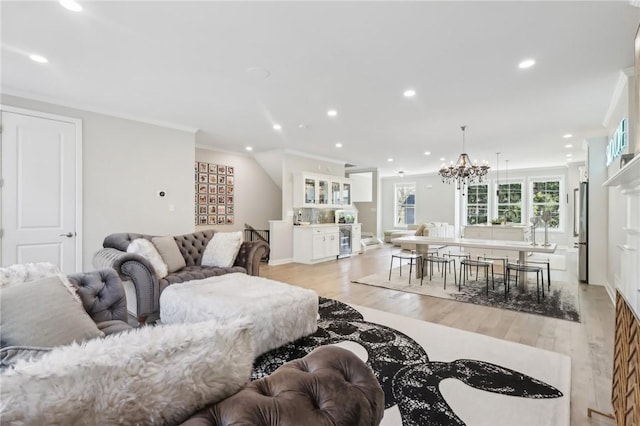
x: 276, y: 262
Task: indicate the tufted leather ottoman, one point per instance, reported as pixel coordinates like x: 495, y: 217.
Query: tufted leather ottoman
x: 329, y: 386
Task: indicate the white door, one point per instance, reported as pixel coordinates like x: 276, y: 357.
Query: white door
x: 41, y: 201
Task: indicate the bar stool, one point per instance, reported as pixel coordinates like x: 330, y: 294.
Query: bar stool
x: 439, y: 261
x: 543, y: 262
x: 517, y: 267
x: 459, y: 256
x: 411, y: 257
x: 469, y: 263
x: 504, y: 261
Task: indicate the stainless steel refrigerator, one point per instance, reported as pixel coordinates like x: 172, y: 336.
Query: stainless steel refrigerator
x: 581, y: 229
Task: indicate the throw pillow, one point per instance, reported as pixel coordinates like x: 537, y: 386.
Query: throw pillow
x: 222, y: 249
x: 147, y: 249
x: 149, y: 375
x: 22, y: 272
x: 43, y: 313
x: 170, y: 252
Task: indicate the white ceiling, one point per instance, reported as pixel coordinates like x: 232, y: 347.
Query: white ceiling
x: 199, y: 64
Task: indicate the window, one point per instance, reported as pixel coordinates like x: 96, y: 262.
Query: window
x: 510, y: 202
x: 477, y: 204
x: 405, y: 204
x: 545, y: 201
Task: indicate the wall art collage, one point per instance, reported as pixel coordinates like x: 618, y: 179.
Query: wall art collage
x: 214, y: 194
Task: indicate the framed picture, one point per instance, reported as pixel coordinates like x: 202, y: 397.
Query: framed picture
x: 214, y: 187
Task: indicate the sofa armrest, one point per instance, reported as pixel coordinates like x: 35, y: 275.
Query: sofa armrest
x: 250, y: 256
x: 139, y: 271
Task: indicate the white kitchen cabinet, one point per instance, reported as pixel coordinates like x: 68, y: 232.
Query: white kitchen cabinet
x: 321, y: 191
x: 496, y: 232
x: 313, y: 244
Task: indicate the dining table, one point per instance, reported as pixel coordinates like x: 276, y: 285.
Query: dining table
x: 522, y: 247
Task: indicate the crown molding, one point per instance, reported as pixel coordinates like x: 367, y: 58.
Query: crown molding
x: 81, y: 107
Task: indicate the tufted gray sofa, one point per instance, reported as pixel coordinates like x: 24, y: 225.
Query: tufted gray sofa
x: 141, y: 283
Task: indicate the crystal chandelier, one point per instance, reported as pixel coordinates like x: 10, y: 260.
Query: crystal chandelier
x: 463, y: 173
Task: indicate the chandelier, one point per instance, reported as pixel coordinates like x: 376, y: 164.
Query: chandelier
x: 464, y: 172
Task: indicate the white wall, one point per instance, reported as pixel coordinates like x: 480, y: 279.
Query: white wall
x: 598, y: 211
x: 435, y: 201
x: 257, y: 199
x: 125, y: 163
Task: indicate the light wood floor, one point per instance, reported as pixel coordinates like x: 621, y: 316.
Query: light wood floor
x: 588, y: 343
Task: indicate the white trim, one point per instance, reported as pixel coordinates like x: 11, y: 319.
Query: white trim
x: 277, y: 262
x: 168, y: 125
x: 562, y: 203
x: 523, y: 198
x: 395, y: 203
x: 79, y: 176
x: 623, y: 80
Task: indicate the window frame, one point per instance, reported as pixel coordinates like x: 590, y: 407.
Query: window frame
x: 396, y: 205
x: 488, y: 204
x: 523, y: 199
x: 562, y: 208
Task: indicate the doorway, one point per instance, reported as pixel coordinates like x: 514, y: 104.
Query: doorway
x: 41, y: 195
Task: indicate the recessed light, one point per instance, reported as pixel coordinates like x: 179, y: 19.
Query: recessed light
x: 390, y: 159
x: 427, y: 153
x: 71, y: 5
x: 249, y: 148
x: 410, y: 93
x: 332, y: 113
x: 277, y: 127
x: 567, y: 136
x: 303, y: 126
x: 442, y: 159
x: 38, y: 58
x: 527, y: 63
x: 338, y: 145
x: 568, y: 145
x: 569, y: 155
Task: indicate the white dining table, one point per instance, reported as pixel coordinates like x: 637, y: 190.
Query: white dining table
x: 522, y: 247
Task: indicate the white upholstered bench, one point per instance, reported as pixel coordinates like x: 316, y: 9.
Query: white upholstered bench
x: 280, y: 312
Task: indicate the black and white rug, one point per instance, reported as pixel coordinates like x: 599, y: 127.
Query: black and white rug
x: 437, y: 375
x: 560, y: 301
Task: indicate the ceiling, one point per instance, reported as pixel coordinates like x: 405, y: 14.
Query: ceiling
x: 234, y: 69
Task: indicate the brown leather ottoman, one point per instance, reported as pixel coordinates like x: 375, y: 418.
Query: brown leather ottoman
x: 329, y: 386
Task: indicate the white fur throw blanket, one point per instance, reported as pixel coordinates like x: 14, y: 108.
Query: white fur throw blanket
x: 150, y: 375
x: 280, y: 313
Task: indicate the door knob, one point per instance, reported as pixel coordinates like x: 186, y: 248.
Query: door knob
x: 68, y: 235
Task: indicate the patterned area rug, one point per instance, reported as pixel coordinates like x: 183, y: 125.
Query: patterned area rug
x: 437, y: 375
x: 561, y: 301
